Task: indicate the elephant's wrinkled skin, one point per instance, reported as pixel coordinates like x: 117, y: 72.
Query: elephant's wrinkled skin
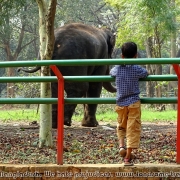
x: 79, y: 41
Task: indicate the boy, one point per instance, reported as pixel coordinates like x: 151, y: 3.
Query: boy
x: 128, y: 106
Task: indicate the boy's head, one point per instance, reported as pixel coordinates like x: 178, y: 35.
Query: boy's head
x: 129, y: 50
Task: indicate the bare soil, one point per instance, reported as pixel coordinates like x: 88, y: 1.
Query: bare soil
x: 19, y: 144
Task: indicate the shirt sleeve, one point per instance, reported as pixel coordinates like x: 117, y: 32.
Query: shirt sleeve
x: 113, y: 71
x: 142, y: 72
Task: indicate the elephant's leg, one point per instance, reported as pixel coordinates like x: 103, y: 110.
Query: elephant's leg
x: 54, y: 91
x: 68, y: 109
x: 68, y: 113
x: 89, y: 119
x: 94, y: 90
x: 72, y: 90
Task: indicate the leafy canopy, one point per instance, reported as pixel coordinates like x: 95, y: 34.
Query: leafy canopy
x: 144, y: 18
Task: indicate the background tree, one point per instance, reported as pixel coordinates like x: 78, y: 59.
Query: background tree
x: 15, y: 23
x: 93, y: 12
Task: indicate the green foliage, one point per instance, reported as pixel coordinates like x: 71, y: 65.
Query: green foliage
x: 143, y: 19
x: 27, y: 90
x: 18, y: 32
x: 10, y: 6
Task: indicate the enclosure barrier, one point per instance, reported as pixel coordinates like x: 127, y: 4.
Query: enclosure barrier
x: 82, y: 100
x: 60, y: 100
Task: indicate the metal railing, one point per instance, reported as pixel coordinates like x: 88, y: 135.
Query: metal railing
x: 82, y: 100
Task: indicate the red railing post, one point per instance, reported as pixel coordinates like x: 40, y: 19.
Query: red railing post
x: 60, y: 118
x: 177, y: 70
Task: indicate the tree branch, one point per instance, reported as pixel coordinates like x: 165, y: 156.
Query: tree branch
x: 28, y: 43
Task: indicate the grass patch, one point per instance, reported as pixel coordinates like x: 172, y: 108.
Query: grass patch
x: 148, y: 115
x: 19, y: 115
x: 105, y: 114
x: 153, y: 116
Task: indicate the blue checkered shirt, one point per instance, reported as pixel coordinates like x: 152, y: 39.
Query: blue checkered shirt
x: 127, y: 83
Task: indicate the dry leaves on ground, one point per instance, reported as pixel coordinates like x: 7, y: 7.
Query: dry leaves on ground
x: 19, y: 145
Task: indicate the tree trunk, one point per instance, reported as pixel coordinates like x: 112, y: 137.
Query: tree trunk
x: 158, y: 71
x: 45, y: 134
x: 172, y: 84
x: 47, y: 9
x: 10, y: 86
x: 12, y: 56
x: 10, y: 73
x: 149, y: 84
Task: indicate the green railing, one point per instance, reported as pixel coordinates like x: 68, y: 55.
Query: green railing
x: 82, y: 100
x: 75, y: 62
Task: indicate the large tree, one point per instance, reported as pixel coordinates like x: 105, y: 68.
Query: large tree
x: 47, y: 9
x: 14, y: 22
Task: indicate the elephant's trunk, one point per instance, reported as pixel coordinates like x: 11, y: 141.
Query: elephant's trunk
x: 29, y: 70
x: 109, y: 87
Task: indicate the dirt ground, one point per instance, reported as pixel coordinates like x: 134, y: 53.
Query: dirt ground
x: 19, y: 144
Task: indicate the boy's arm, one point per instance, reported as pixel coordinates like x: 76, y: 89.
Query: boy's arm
x: 113, y: 71
x: 142, y: 72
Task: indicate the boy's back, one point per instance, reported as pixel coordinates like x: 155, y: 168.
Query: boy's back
x: 127, y: 83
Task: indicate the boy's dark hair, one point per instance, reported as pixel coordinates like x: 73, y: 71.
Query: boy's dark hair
x: 129, y: 49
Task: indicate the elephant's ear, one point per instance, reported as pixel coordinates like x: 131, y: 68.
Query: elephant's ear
x: 113, y: 40
x: 111, y: 44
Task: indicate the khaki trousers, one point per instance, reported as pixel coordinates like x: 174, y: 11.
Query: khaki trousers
x: 129, y: 124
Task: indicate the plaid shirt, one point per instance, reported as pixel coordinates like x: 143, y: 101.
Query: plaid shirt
x: 127, y: 83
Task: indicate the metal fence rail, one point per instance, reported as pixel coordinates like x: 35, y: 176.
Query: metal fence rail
x: 170, y: 100
x: 76, y: 62
x: 83, y: 78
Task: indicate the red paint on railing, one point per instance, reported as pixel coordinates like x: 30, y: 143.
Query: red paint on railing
x: 177, y: 70
x: 60, y: 118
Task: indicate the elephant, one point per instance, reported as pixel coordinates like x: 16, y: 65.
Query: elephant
x: 80, y: 41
